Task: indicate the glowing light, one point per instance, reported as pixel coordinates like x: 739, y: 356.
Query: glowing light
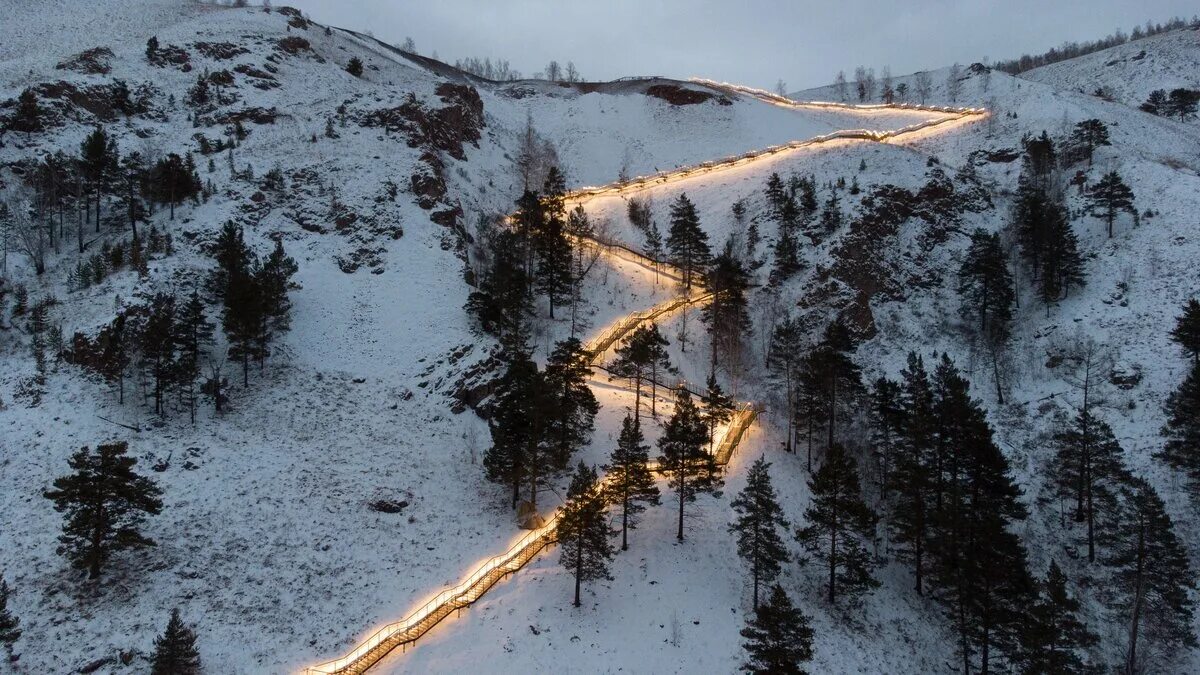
x: 489, y: 572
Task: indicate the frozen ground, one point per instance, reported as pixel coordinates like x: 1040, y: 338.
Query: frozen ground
x: 266, y: 541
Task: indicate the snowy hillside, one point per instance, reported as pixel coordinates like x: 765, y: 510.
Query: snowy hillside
x: 1129, y: 72
x: 342, y: 486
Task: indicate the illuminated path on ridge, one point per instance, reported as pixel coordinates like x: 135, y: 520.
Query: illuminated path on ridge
x: 382, y: 641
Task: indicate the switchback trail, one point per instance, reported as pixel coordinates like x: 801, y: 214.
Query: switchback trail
x: 420, y: 621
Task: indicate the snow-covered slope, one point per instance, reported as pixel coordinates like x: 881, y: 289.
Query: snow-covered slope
x: 267, y: 541
x: 1129, y: 72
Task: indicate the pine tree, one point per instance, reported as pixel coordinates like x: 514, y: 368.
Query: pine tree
x: 683, y: 459
x: 98, y: 162
x: 518, y: 427
x: 686, y: 241
x: 104, y: 503
x: 639, y: 357
x: 717, y: 408
x: 583, y: 530
x: 355, y: 66
x: 1088, y: 469
x: 985, y: 285
x: 244, y: 317
x: 778, y: 637
x: 831, y: 215
x: 193, y: 331
x: 978, y: 569
x: 1182, y: 103
x: 10, y: 625
x: 777, y: 196
x: 630, y: 482
x: 233, y: 257
x: 158, y: 349
x: 1153, y: 581
x: 1187, y: 330
x: 1110, y: 196
x: 783, y: 360
x: 727, y: 314
x: 273, y: 281
x: 759, y: 519
x: 840, y: 525
x: 1182, y: 430
x: 1055, y: 634
x: 28, y: 117
x: 887, y: 428
x: 1089, y: 135
x: 912, y: 478
x: 833, y: 379
x: 502, y: 303
x: 553, y: 252
x: 573, y: 407
x: 175, y: 650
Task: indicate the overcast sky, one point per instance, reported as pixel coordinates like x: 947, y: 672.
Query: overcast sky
x: 753, y: 42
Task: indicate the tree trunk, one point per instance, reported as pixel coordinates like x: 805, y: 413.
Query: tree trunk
x: 578, y: 568
x: 682, y: 492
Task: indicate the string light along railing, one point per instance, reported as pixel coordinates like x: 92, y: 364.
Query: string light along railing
x: 381, y: 642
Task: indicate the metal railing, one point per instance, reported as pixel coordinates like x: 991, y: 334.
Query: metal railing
x: 380, y: 643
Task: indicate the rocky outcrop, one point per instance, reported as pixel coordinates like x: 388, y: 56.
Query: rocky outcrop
x: 677, y: 95
x: 95, y: 61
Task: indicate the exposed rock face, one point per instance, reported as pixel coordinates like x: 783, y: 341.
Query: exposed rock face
x: 866, y: 267
x: 442, y: 130
x: 94, y: 61
x: 677, y: 95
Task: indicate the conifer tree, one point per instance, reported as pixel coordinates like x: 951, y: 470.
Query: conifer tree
x: 639, y: 357
x: 272, y: 281
x: 683, y: 459
x: 175, y: 650
x: 244, y: 317
x: 10, y: 625
x: 1187, y: 330
x: 833, y: 378
x: 887, y: 428
x: 686, y: 241
x: 1182, y: 430
x: 158, y: 349
x: 776, y: 196
x: 355, y: 66
x: 193, y: 331
x: 727, y: 314
x: 28, y: 117
x: 717, y: 407
x: 1153, y: 582
x: 985, y: 285
x: 1089, y: 135
x: 630, y: 483
x: 554, y: 254
x: 518, y: 428
x: 98, y: 161
x: 1109, y: 197
x: 783, y: 360
x: 1055, y: 635
x: 839, y: 526
x: 912, y: 478
x: 977, y: 565
x: 1089, y: 470
x: 759, y: 519
x: 233, y: 257
x: 583, y: 530
x: 573, y: 407
x: 831, y: 214
x: 104, y: 503
x: 502, y: 304
x: 778, y: 637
